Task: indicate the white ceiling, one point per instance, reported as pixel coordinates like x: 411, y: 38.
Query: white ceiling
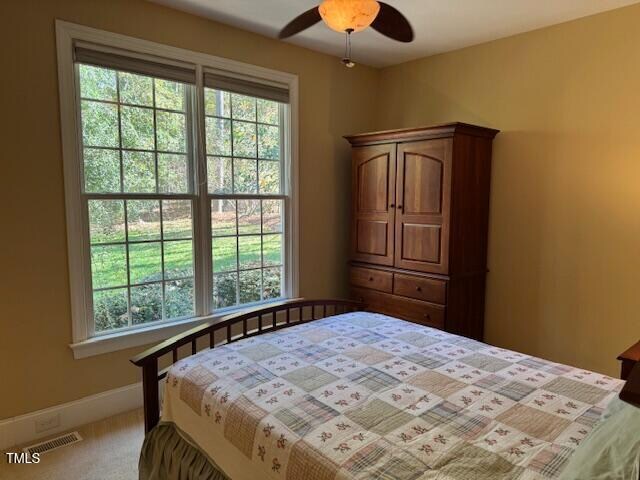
x: 440, y: 25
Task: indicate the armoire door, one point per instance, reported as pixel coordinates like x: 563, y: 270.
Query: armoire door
x: 423, y: 194
x: 373, y: 187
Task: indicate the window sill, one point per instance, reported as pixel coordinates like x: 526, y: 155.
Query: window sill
x: 145, y: 336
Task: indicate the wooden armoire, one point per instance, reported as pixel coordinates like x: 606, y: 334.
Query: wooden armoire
x: 420, y: 212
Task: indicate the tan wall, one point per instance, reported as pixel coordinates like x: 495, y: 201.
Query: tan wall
x: 38, y: 369
x: 564, y: 249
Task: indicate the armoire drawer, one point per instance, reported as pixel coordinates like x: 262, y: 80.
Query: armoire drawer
x: 415, y: 311
x: 370, y: 278
x: 420, y: 288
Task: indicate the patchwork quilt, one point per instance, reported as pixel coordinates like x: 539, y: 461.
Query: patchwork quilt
x: 363, y: 395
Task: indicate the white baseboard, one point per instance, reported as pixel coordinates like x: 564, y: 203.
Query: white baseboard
x: 22, y: 429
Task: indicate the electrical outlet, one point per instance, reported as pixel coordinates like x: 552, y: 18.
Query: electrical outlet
x: 47, y: 423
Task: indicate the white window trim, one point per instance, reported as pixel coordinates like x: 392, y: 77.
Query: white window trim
x: 79, y: 274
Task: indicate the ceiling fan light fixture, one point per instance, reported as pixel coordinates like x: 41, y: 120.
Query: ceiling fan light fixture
x: 344, y: 15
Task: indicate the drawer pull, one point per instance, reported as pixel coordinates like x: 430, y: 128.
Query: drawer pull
x: 421, y: 288
x: 371, y: 279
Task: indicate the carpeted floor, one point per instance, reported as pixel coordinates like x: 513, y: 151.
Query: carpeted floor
x: 109, y: 451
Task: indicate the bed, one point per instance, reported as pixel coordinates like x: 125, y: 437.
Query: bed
x: 321, y: 389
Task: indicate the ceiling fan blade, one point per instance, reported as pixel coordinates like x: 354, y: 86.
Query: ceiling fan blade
x: 391, y: 23
x: 300, y: 23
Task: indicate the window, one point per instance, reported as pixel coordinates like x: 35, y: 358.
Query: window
x: 244, y: 172
x: 137, y: 158
x: 179, y: 184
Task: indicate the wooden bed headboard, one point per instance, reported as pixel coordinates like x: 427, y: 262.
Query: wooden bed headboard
x: 233, y: 327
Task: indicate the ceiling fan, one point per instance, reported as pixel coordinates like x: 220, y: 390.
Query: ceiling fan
x: 351, y: 16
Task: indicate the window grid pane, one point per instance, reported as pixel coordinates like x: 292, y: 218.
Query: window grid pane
x: 246, y: 257
x: 155, y: 248
x: 240, y: 173
x: 248, y: 139
x: 138, y: 124
x: 142, y: 249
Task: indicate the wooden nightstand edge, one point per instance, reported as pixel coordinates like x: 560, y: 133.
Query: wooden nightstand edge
x: 629, y: 358
x: 630, y: 393
x: 632, y: 353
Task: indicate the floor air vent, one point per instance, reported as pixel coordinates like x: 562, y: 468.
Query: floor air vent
x: 54, y: 443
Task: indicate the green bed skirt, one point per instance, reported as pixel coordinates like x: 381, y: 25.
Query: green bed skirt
x: 168, y: 455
